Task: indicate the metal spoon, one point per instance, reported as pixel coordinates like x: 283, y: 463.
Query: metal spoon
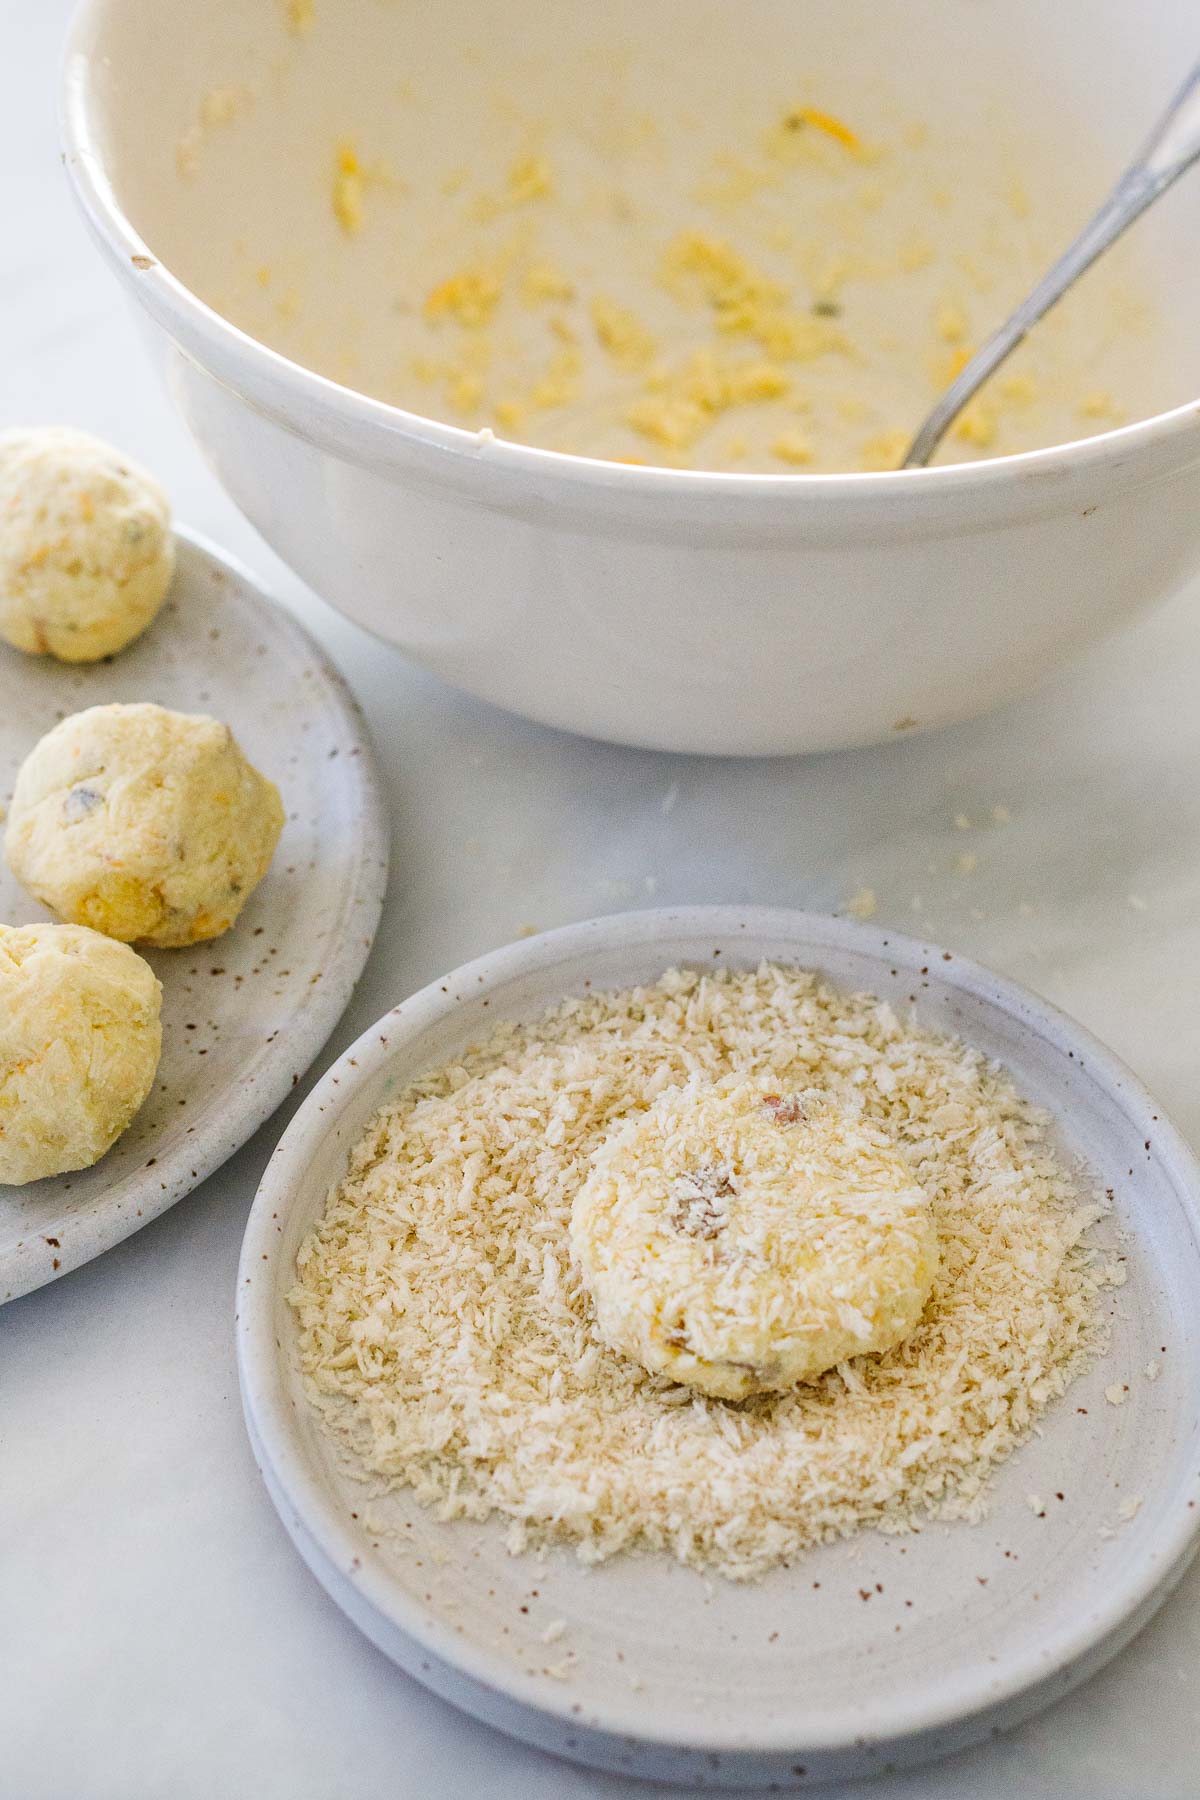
x: 1172, y: 147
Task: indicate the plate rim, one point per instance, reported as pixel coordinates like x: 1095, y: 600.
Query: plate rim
x: 23, y: 1275
x: 1051, y: 1663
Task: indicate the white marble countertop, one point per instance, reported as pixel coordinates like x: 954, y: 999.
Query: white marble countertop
x: 159, y: 1636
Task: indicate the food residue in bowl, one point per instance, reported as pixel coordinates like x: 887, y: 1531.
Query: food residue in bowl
x: 787, y: 288
x: 451, y: 1343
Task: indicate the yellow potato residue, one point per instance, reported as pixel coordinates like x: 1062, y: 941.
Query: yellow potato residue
x: 351, y: 179
x: 1020, y: 390
x: 560, y: 384
x: 218, y: 107
x: 545, y: 281
x: 790, y: 447
x: 950, y: 322
x: 680, y: 406
x: 509, y: 414
x: 348, y: 190
x: 945, y: 369
x: 745, y: 300
x: 470, y: 297
x: 465, y: 391
x: 1099, y: 404
x: 622, y: 333
x: 1018, y: 198
x: 727, y: 281
x: 120, y: 906
x: 884, y: 451
x: 915, y: 253
x: 530, y: 179
x: 977, y: 425
x: 799, y: 135
x: 826, y: 122
x: 676, y: 424
x: 795, y: 336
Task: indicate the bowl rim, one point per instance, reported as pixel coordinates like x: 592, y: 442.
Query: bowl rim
x: 328, y: 403
x: 1050, y: 1664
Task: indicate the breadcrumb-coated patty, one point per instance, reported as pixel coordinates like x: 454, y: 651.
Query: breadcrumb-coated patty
x: 145, y: 824
x: 740, y: 1240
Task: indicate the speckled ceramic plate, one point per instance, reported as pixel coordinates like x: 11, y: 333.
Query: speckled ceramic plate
x: 865, y: 1654
x: 243, y: 1016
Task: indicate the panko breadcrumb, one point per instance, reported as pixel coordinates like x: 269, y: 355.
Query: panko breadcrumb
x: 450, y: 1343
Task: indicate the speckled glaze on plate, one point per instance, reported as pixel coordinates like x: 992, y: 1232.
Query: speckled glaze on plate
x: 861, y: 1656
x: 244, y: 1015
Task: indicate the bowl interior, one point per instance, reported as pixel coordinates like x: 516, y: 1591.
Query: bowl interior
x: 956, y: 1618
x: 652, y: 117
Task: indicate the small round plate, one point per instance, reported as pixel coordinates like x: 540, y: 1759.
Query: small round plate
x: 870, y: 1653
x: 244, y: 1015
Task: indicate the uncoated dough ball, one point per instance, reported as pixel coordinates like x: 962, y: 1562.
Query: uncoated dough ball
x: 86, y: 551
x: 79, y: 1043
x: 145, y: 824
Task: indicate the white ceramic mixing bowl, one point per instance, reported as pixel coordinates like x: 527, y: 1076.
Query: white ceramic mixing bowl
x: 713, y: 612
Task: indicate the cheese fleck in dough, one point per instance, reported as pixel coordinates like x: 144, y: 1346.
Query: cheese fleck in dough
x: 740, y: 1241
x: 86, y: 551
x: 79, y: 1044
x: 147, y: 825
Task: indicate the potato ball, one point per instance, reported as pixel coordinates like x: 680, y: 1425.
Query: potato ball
x: 740, y: 1240
x: 86, y: 551
x: 145, y: 824
x: 79, y: 1043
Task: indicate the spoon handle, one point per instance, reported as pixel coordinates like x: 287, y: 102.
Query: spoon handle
x: 1172, y: 147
